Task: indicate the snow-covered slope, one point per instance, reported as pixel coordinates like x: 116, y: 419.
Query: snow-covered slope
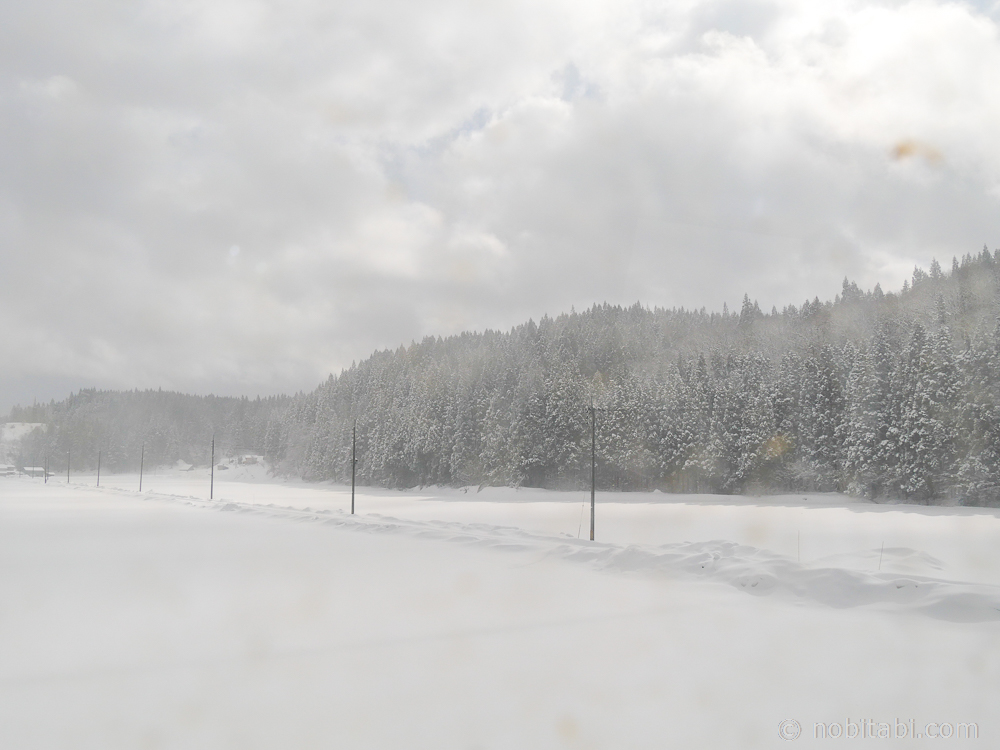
x: 11, y: 433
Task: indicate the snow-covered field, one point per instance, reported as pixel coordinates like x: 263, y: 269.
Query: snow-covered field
x: 272, y: 618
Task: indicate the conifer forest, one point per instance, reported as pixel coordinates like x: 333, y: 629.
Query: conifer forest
x: 887, y: 396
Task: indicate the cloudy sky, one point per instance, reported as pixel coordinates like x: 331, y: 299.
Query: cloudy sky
x: 240, y: 197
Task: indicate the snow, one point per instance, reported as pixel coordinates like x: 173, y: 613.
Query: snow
x: 443, y: 618
x: 12, y: 432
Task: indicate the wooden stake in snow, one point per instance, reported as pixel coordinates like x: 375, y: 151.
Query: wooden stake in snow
x: 98, y: 468
x: 798, y: 546
x: 593, y: 464
x: 142, y: 460
x: 354, y: 460
x: 880, y: 556
x: 211, y: 474
x: 45, y: 470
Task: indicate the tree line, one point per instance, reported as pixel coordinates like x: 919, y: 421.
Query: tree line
x: 120, y: 425
x: 882, y: 395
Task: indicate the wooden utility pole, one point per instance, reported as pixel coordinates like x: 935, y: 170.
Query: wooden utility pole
x: 354, y: 460
x: 211, y: 481
x: 98, y: 468
x: 142, y: 460
x: 593, y: 465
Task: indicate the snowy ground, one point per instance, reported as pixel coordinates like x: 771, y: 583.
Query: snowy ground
x: 271, y: 618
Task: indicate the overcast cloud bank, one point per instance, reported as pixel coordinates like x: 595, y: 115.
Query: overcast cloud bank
x: 243, y: 197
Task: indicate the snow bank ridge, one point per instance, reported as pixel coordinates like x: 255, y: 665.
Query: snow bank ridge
x: 760, y: 572
x: 756, y: 571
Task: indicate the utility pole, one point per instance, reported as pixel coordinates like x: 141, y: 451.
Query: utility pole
x: 211, y: 481
x: 593, y: 464
x: 354, y: 460
x: 98, y: 468
x: 142, y: 460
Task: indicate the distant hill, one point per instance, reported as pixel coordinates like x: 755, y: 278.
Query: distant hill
x: 882, y: 395
x: 886, y: 395
x: 119, y: 424
x: 11, y: 435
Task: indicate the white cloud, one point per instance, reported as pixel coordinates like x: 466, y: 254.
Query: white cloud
x: 390, y: 170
